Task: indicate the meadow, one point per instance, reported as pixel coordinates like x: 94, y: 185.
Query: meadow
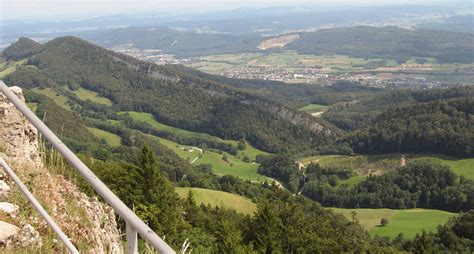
x: 61, y: 100
x: 85, y: 94
x: 311, y: 108
x: 111, y: 139
x: 409, y: 222
x: 219, y: 198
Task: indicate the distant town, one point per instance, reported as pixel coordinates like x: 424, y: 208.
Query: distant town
x: 296, y: 71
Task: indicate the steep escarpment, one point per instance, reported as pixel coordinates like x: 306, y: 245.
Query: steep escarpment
x: 89, y: 223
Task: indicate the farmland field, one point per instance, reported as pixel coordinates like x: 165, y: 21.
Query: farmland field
x: 220, y: 198
x: 409, y: 222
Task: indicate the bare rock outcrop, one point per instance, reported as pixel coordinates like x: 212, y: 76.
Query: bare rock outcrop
x: 85, y: 220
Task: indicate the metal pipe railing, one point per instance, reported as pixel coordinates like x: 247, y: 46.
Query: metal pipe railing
x: 130, y: 217
x: 38, y: 207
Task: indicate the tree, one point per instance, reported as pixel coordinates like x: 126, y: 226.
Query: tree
x: 384, y: 222
x: 159, y: 205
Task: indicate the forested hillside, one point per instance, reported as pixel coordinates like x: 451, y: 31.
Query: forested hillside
x: 445, y: 126
x: 388, y: 42
x: 173, y: 95
x: 180, y: 43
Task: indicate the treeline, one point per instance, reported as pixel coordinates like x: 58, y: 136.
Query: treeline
x: 421, y: 184
x: 445, y: 127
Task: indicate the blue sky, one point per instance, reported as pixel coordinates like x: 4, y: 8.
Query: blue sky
x: 51, y: 8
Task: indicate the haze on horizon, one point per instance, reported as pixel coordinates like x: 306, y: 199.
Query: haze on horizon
x: 53, y: 9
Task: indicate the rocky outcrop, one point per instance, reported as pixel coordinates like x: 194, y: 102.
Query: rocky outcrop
x: 88, y: 222
x: 18, y: 137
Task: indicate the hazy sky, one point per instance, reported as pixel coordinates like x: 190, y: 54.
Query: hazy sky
x: 51, y: 8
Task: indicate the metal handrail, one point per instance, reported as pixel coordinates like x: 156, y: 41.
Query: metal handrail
x: 134, y: 224
x: 38, y: 207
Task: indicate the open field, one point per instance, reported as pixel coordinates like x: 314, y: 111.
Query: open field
x: 362, y: 164
x: 61, y: 100
x: 378, y: 164
x: 85, y: 94
x: 7, y: 68
x: 110, y: 138
x: 148, y: 118
x: 233, y: 166
x: 220, y: 198
x: 311, y: 108
x: 463, y: 167
x: 409, y: 222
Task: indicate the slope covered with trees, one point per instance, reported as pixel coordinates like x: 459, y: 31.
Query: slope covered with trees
x: 175, y: 96
x: 444, y: 126
x: 387, y: 42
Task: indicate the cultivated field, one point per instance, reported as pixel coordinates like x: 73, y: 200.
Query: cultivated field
x: 220, y: 198
x: 409, y: 222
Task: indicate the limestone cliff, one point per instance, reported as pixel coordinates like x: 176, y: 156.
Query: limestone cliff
x: 89, y: 223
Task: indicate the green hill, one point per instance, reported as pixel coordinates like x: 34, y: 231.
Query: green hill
x: 387, y: 42
x: 173, y: 95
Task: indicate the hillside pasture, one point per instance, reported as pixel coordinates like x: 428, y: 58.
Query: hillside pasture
x: 220, y: 199
x: 408, y: 222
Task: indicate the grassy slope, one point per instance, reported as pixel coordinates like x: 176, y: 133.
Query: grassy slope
x: 148, y: 118
x: 409, y: 222
x: 464, y: 167
x: 234, y: 166
x: 112, y: 139
x: 219, y: 198
x: 61, y: 100
x: 9, y: 68
x: 311, y: 108
x: 85, y: 94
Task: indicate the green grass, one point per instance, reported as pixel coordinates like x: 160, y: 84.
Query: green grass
x: 409, y: 222
x: 110, y: 138
x: 9, y: 67
x: 249, y: 151
x: 311, y: 108
x: 61, y: 100
x: 148, y: 118
x: 234, y: 166
x: 220, y: 199
x: 463, y: 167
x: 85, y: 94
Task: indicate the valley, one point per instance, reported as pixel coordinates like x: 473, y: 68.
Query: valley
x: 289, y: 148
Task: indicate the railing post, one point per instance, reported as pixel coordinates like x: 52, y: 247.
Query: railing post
x: 132, y: 240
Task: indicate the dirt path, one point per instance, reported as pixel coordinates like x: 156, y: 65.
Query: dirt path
x: 197, y: 157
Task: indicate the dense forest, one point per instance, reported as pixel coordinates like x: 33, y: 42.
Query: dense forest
x: 445, y: 126
x: 387, y: 42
